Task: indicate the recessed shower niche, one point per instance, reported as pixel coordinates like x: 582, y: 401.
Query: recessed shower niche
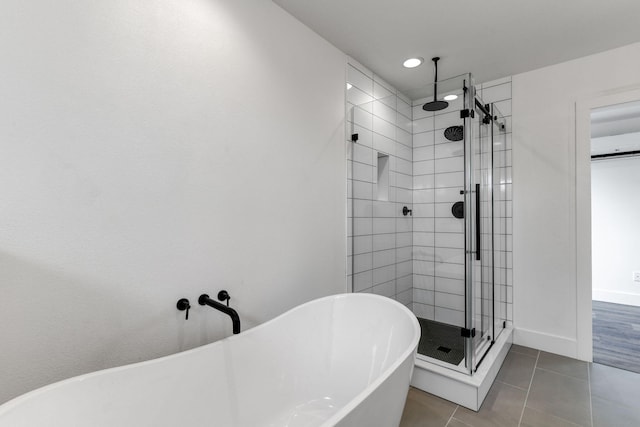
x: 448, y: 260
x: 382, y: 184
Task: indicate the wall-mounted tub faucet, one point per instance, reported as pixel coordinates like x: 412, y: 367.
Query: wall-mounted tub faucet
x: 205, y: 300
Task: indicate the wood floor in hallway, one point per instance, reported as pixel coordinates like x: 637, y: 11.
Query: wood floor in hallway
x: 616, y: 335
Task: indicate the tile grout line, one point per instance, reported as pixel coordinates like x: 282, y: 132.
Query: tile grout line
x: 564, y: 375
x: 451, y: 417
x: 528, y: 390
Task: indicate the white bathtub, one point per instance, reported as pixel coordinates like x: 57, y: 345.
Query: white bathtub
x: 342, y: 360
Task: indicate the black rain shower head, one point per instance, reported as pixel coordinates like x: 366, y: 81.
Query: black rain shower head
x: 435, y: 105
x: 454, y: 133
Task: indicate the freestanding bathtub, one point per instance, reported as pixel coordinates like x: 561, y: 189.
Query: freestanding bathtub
x: 342, y: 360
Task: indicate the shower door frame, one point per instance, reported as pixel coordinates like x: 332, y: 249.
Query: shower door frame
x: 479, y: 341
x: 469, y: 215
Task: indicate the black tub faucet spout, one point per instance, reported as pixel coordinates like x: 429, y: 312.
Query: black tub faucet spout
x: 205, y: 300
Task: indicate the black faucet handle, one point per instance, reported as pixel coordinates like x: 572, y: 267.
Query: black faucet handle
x: 182, y: 305
x: 224, y: 296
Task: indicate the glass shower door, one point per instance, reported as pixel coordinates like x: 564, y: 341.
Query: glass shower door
x: 479, y: 187
x: 500, y: 227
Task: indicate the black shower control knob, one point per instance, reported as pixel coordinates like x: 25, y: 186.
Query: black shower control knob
x: 224, y: 296
x: 183, y: 305
x: 457, y: 210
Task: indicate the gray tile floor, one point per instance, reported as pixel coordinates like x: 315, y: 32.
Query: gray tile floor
x: 538, y: 389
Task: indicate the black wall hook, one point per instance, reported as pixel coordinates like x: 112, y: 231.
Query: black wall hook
x: 182, y: 305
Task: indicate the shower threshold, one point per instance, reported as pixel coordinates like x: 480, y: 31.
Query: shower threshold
x: 449, y: 383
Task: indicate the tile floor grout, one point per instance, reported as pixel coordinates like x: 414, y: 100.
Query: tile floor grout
x: 452, y: 414
x: 510, y: 385
x: 563, y: 375
x: 524, y: 406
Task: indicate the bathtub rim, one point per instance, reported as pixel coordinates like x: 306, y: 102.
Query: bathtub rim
x: 12, y: 404
x: 410, y: 351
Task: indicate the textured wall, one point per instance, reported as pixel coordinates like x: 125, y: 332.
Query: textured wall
x: 152, y: 151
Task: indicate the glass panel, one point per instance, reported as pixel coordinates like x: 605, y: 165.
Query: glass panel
x: 500, y: 197
x: 380, y: 189
x: 438, y: 234
x: 470, y: 214
x: 360, y: 169
x: 482, y: 236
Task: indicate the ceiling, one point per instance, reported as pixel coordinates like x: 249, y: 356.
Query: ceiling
x: 615, y: 128
x: 615, y: 119
x: 489, y: 38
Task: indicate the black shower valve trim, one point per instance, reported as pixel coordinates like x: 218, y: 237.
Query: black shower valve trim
x: 184, y: 305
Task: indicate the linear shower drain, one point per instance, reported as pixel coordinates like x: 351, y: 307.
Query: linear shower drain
x: 444, y: 349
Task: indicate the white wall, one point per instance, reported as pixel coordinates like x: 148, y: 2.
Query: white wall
x: 544, y: 180
x: 615, y: 204
x: 152, y: 151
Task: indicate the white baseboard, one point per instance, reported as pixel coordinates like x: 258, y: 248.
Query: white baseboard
x: 564, y: 346
x: 616, y: 297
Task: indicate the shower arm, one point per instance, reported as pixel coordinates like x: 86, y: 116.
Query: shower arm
x: 435, y: 80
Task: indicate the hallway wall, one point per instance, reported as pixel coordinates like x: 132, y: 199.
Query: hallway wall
x: 544, y: 181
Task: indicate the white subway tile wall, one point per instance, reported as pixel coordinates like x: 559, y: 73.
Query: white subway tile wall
x: 419, y: 259
x: 499, y: 93
x: 380, y: 260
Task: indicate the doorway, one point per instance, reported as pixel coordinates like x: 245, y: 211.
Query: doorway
x: 615, y: 234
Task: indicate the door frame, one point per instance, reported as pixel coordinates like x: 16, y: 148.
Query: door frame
x: 582, y: 174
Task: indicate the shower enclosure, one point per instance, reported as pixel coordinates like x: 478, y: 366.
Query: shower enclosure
x: 427, y: 215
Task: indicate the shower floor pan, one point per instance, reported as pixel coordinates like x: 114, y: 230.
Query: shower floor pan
x: 441, y: 341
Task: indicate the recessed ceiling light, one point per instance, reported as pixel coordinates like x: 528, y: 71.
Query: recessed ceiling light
x: 450, y: 97
x: 412, y: 62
